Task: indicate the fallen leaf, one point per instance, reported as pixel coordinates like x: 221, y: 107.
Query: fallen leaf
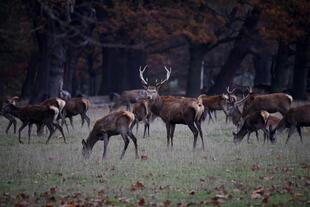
x: 137, y: 186
x: 167, y: 203
x: 141, y: 202
x: 144, y: 157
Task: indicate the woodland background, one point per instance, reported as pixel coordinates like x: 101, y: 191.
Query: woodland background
x: 96, y: 47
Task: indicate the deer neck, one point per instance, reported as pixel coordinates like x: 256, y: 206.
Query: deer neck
x: 156, y: 105
x: 91, y: 141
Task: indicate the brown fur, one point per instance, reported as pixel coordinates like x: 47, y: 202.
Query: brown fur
x: 35, y: 114
x: 214, y: 103
x: 77, y: 106
x: 8, y: 116
x: 295, y: 118
x: 112, y: 124
x: 128, y: 97
x: 275, y: 102
x: 143, y: 113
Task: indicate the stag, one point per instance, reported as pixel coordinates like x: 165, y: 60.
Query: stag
x: 112, y: 124
x: 8, y: 116
x: 294, y: 119
x: 274, y: 102
x: 174, y: 110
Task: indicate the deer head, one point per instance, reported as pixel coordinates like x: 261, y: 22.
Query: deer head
x: 152, y: 90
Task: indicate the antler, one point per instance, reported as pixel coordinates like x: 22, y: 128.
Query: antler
x: 141, y: 75
x: 167, y: 76
x: 230, y: 91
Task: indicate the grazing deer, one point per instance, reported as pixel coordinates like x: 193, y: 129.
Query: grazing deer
x: 142, y: 113
x: 35, y: 114
x: 174, y: 110
x: 112, y: 124
x: 77, y: 106
x: 252, y: 123
x: 295, y: 118
x: 8, y: 116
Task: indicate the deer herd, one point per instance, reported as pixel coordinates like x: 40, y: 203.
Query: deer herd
x: 147, y: 104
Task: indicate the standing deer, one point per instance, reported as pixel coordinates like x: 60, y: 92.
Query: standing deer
x: 142, y: 113
x: 77, y: 106
x: 295, y: 118
x: 8, y: 116
x: 112, y: 124
x: 174, y: 110
x: 214, y: 103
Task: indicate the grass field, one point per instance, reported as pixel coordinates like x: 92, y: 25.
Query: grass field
x: 225, y: 174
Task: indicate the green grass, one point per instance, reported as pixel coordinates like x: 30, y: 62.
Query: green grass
x: 224, y: 173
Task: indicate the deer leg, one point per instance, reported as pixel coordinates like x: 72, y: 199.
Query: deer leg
x: 52, y: 130
x: 134, y: 139
x: 126, y: 141
x: 71, y: 121
x: 65, y: 125
x: 24, y: 124
x: 248, y: 139
x: 12, y: 121
x: 61, y: 131
x: 198, y: 125
x: 266, y: 132
x: 87, y: 120
x: 137, y: 127
x: 106, y: 142
x: 171, y: 134
x: 290, y: 132
x: 256, y: 133
x: 29, y: 132
x: 168, y: 134
x: 195, y: 133
x: 299, y: 133
x: 82, y: 118
x: 210, y: 116
x: 215, y: 116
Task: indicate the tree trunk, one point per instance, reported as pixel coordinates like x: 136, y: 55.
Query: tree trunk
x: 193, y: 78
x: 300, y: 71
x: 120, y: 69
x: 70, y: 68
x: 281, y: 77
x: 31, y: 76
x: 241, y: 47
x: 92, y: 74
x: 50, y: 75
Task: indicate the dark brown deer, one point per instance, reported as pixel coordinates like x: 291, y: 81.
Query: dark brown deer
x: 8, y: 116
x: 112, y: 124
x: 174, y: 110
x: 77, y: 106
x: 35, y: 114
x: 234, y: 113
x: 142, y: 113
x: 295, y: 118
x: 252, y: 123
x: 275, y: 102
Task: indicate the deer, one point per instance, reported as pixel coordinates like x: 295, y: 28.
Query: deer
x: 274, y: 102
x: 35, y: 114
x: 77, y: 106
x: 174, y: 110
x: 8, y: 116
x: 252, y: 123
x: 295, y: 118
x: 115, y: 123
x: 214, y: 103
x: 142, y: 113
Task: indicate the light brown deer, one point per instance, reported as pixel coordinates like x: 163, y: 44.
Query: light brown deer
x: 295, y: 118
x: 174, y: 110
x: 112, y: 124
x: 214, y: 103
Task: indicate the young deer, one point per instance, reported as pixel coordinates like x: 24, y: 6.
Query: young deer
x: 295, y: 118
x: 112, y: 124
x: 35, y: 114
x: 8, y: 116
x: 214, y: 103
x: 76, y: 106
x: 174, y: 110
x: 252, y: 123
x: 142, y: 113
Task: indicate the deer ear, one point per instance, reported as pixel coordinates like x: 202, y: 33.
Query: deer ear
x: 144, y: 86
